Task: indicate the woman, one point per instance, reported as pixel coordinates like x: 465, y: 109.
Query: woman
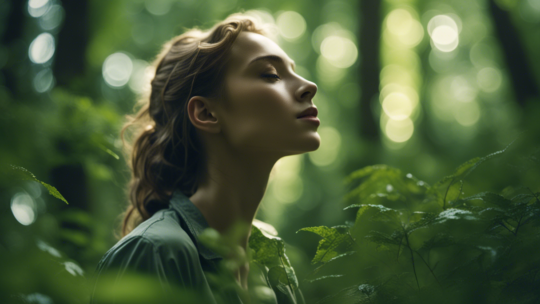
x: 224, y: 107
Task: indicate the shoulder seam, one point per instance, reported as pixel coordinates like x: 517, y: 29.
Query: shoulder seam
x: 142, y: 235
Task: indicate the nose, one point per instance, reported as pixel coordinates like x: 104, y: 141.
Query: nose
x: 306, y: 91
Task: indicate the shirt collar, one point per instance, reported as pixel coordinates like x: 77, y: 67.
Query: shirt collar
x: 194, y: 220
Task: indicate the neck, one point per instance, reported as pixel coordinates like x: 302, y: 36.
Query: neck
x: 232, y: 189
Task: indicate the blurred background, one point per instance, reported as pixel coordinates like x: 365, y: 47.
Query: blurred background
x: 421, y: 85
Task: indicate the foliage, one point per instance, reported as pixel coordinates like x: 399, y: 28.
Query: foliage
x: 269, y: 265
x: 416, y: 243
x: 23, y: 174
x: 48, y: 120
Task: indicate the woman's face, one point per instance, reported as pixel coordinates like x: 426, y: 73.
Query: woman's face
x: 263, y: 100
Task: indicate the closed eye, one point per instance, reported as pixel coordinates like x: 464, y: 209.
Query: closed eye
x: 274, y: 76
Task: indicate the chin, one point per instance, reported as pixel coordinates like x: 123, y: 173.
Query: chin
x: 312, y: 144
x: 315, y: 145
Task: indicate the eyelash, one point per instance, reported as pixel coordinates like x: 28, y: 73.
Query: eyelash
x: 274, y: 76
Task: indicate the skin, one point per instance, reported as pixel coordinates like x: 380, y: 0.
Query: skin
x: 247, y: 131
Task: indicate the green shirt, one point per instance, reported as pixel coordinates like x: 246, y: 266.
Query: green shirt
x: 167, y: 250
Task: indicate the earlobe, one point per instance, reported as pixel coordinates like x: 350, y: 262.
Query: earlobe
x: 202, y: 115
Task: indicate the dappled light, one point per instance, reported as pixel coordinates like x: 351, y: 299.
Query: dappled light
x: 52, y: 18
x: 340, y: 52
x: 142, y: 74
x: 329, y: 149
x: 43, y: 81
x: 399, y: 130
x: 42, y: 48
x: 291, y: 25
x: 424, y: 188
x: 158, y: 8
x: 23, y: 208
x: 444, y: 33
x: 402, y: 29
x: 36, y: 8
x: 117, y: 69
x: 489, y: 79
x: 287, y: 183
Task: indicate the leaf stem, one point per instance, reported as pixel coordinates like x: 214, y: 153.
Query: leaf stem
x: 500, y: 222
x: 518, y: 225
x: 284, y: 269
x: 446, y: 193
x: 428, y: 268
x: 412, y: 258
x: 534, y: 194
x: 399, y: 248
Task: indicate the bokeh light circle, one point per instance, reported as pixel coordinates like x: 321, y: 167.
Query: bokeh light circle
x: 489, y: 79
x: 52, y: 18
x: 291, y: 25
x: 42, y: 48
x: 43, y: 81
x: 399, y: 130
x: 117, y: 69
x: 399, y: 21
x: 339, y: 51
x: 467, y: 114
x: 329, y: 148
x: 36, y: 8
x: 23, y: 208
x: 397, y: 106
x: 444, y: 33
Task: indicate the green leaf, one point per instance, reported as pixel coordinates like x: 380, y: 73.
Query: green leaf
x: 367, y: 289
x: 364, y: 172
x: 270, y: 252
x: 73, y: 268
x: 277, y: 275
x: 492, y: 198
x: 383, y: 238
x: 331, y: 239
x: 523, y: 199
x: 108, y: 151
x: 455, y: 214
x: 451, y: 190
x: 420, y: 220
x: 341, y: 256
x: 467, y: 168
x: 326, y: 277
x: 437, y: 241
x: 384, y: 185
x: 379, y: 213
x: 23, y: 174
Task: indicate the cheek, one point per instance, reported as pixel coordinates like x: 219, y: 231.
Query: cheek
x: 259, y: 102
x: 259, y: 112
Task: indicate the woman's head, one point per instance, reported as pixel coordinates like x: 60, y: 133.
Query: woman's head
x: 256, y: 113
x: 205, y: 90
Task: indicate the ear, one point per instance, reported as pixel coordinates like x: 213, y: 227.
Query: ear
x: 202, y: 115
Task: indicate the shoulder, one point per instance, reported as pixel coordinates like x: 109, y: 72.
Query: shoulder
x: 158, y: 247
x: 159, y: 237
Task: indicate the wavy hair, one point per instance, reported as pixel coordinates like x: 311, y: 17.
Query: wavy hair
x: 162, y: 149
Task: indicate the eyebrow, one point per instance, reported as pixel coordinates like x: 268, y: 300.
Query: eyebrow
x: 272, y: 58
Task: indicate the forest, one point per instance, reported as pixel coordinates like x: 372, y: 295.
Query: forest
x: 425, y: 189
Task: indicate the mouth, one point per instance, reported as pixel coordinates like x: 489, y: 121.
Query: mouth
x: 309, y: 112
x: 310, y: 119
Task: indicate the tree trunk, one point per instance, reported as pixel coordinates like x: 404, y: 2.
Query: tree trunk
x: 72, y: 41
x: 521, y: 76
x: 11, y: 37
x: 370, y: 33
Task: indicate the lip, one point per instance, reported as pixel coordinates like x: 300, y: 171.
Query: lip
x: 311, y: 111
x: 311, y: 119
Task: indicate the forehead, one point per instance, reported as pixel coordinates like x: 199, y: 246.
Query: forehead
x: 249, y: 46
